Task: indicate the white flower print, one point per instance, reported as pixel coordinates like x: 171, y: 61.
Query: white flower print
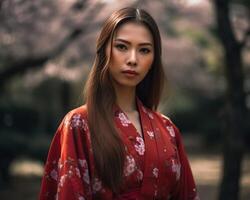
x: 85, y: 125
x: 97, y: 185
x: 155, y: 172
x: 70, y: 173
x: 78, y: 172
x: 67, y: 121
x: 155, y: 194
x: 140, y: 140
x: 176, y: 168
x: 124, y: 120
x: 83, y: 163
x: 76, y: 122
x: 140, y: 148
x: 130, y: 165
x: 150, y: 115
x: 171, y: 130
x: 139, y: 175
x: 72, y: 170
x: 54, y: 174
x: 151, y: 134
x: 86, y: 176
x: 81, y: 198
x: 62, y: 180
x: 59, y: 165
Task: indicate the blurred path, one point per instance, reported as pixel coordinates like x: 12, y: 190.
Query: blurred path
x: 207, y: 172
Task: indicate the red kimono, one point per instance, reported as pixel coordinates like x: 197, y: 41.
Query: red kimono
x: 156, y: 166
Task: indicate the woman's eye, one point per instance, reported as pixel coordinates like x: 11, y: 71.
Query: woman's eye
x: 121, y: 47
x: 145, y: 50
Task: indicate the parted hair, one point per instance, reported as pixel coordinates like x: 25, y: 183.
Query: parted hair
x: 108, y: 148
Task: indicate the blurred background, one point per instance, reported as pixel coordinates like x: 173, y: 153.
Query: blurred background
x: 47, y: 49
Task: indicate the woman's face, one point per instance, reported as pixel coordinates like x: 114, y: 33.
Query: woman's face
x: 132, y: 54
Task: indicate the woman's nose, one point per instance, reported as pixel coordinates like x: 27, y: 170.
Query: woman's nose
x: 132, y: 58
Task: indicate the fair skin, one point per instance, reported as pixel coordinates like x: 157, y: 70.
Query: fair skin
x: 131, y: 59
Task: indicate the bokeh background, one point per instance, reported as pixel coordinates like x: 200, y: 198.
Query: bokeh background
x: 47, y: 49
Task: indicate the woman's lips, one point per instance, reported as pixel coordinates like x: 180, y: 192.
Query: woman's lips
x: 130, y: 73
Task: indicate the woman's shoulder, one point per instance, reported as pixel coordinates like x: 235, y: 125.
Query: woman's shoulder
x: 168, y: 124
x: 166, y: 119
x: 80, y: 111
x: 76, y: 118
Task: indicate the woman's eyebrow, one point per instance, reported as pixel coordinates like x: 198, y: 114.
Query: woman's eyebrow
x: 127, y: 42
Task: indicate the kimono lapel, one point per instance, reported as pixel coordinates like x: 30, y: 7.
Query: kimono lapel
x: 152, y: 158
x: 151, y: 163
x: 134, y: 144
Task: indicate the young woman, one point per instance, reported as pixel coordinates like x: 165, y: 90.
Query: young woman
x: 117, y: 146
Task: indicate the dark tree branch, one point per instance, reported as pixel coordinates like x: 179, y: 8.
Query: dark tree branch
x: 20, y: 66
x: 79, y: 5
x: 224, y: 25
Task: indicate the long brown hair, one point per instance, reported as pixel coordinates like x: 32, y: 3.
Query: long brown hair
x: 108, y: 149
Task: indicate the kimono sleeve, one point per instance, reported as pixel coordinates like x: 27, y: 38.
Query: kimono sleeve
x: 185, y: 188
x: 66, y: 173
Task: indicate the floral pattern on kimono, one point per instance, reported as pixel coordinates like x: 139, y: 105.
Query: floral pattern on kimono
x: 155, y: 167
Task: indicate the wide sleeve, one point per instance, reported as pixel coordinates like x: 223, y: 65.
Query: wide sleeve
x: 185, y: 188
x: 66, y: 172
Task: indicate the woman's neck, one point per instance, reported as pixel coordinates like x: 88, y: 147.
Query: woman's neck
x: 126, y: 98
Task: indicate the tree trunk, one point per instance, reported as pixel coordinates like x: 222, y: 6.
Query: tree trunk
x: 235, y: 109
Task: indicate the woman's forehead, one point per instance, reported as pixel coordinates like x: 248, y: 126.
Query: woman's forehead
x: 133, y: 31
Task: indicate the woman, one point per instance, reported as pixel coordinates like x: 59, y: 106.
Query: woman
x: 117, y: 146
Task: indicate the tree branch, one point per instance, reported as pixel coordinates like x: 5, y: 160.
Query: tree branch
x: 20, y: 66
x: 224, y: 25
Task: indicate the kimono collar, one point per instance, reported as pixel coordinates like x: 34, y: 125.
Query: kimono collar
x: 139, y: 105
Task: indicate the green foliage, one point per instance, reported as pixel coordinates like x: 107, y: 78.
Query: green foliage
x: 211, y: 51
x: 244, y: 2
x: 168, y: 26
x: 198, y: 37
x: 17, y: 118
x: 195, y: 114
x: 19, y: 133
x: 14, y: 144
